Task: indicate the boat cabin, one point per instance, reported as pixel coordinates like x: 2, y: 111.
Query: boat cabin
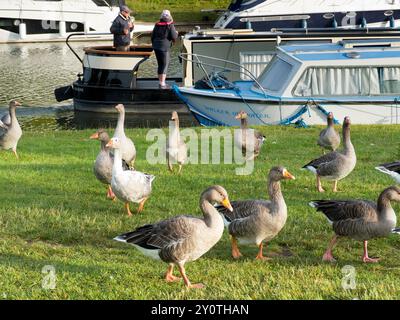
x: 346, y: 69
x: 103, y: 66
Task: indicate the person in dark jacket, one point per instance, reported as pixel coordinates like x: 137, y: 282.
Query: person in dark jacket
x: 121, y: 28
x: 164, y: 34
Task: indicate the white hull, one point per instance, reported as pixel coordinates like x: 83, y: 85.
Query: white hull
x: 223, y: 111
x: 267, y: 10
x: 19, y: 17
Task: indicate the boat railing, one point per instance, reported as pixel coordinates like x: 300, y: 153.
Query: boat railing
x: 197, y: 60
x: 93, y: 36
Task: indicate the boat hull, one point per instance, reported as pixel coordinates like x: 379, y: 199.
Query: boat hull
x: 211, y: 108
x: 146, y: 99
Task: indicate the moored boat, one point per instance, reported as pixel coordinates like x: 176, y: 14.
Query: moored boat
x: 356, y: 78
x: 46, y: 21
x: 263, y: 15
x: 110, y: 77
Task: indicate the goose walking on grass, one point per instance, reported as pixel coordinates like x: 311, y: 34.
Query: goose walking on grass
x: 335, y: 165
x: 329, y: 138
x: 255, y: 221
x: 128, y: 186
x: 360, y: 219
x: 10, y: 130
x: 176, y: 147
x: 128, y: 150
x: 248, y: 140
x: 392, y: 169
x: 104, y: 161
x: 183, y: 238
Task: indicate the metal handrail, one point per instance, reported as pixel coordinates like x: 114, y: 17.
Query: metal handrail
x: 82, y: 34
x: 189, y: 57
x: 91, y: 34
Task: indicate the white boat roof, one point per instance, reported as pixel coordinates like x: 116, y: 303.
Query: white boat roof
x: 344, y: 50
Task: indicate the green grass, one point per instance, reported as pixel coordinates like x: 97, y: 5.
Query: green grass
x: 54, y: 212
x: 182, y: 11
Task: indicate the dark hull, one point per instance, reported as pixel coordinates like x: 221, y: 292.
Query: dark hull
x: 146, y: 98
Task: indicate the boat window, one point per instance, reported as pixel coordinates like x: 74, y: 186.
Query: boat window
x: 275, y: 75
x: 255, y: 62
x: 354, y: 81
x: 389, y: 80
x: 109, y: 78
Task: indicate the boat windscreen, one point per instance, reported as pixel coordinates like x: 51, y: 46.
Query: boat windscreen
x: 239, y: 5
x: 109, y: 3
x: 275, y: 75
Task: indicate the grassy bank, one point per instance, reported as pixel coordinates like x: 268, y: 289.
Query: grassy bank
x: 54, y: 212
x: 188, y: 11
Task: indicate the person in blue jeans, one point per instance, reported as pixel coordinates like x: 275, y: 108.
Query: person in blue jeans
x: 163, y: 36
x: 121, y: 28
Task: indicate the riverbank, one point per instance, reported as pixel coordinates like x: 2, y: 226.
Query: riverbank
x: 188, y: 11
x: 54, y: 213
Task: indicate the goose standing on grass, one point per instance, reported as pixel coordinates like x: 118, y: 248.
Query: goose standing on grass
x: 128, y: 186
x: 104, y: 161
x: 392, y: 169
x: 183, y: 238
x: 248, y: 140
x: 335, y: 165
x: 10, y: 130
x: 255, y: 221
x: 361, y: 220
x: 128, y: 150
x: 176, y: 147
x: 329, y: 138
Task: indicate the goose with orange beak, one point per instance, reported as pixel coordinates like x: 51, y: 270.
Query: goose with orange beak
x: 129, y: 186
x: 104, y: 161
x: 258, y: 221
x: 183, y: 238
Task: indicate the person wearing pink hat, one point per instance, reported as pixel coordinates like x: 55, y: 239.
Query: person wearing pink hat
x: 163, y: 36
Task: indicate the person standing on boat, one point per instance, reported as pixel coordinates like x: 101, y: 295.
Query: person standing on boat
x: 163, y: 36
x: 121, y: 28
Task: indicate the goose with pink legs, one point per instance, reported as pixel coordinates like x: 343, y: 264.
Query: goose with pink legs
x: 361, y: 220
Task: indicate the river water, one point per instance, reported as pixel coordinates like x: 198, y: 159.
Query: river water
x: 30, y: 73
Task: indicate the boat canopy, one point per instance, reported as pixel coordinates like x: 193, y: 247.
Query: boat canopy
x: 348, y: 68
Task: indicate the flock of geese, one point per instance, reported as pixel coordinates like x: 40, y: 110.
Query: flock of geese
x: 185, y: 238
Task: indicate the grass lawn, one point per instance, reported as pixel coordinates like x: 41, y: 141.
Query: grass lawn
x: 54, y: 212
x: 182, y: 11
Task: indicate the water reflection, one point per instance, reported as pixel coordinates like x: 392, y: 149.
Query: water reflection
x: 31, y: 72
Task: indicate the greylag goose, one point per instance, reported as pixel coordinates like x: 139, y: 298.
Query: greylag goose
x: 128, y: 150
x: 392, y: 169
x: 176, y: 147
x: 128, y: 186
x: 329, y: 138
x: 359, y: 219
x: 255, y: 221
x: 182, y: 238
x: 104, y: 161
x: 248, y: 140
x: 335, y: 165
x: 10, y: 130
